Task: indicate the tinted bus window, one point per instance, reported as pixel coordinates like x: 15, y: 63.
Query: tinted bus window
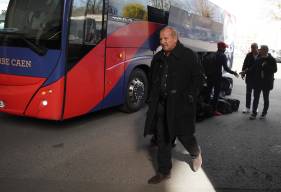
x: 86, y: 28
x: 39, y: 20
x: 86, y: 22
x: 198, y: 7
x: 203, y: 8
x: 136, y: 9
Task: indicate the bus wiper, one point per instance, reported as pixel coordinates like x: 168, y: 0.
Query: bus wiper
x: 40, y: 50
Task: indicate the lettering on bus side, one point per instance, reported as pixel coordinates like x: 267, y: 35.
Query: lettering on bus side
x: 4, y: 61
x: 22, y: 63
x: 122, y: 19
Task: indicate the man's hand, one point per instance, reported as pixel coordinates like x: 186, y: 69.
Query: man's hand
x: 242, y: 73
x: 236, y: 74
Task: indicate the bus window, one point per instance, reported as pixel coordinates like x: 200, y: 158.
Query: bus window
x: 86, y: 22
x: 93, y: 22
x: 37, y: 19
x: 157, y: 15
x: 86, y: 28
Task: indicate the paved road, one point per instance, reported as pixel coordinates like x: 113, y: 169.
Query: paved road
x: 105, y: 152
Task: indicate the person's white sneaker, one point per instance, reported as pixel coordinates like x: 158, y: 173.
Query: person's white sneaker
x: 247, y: 110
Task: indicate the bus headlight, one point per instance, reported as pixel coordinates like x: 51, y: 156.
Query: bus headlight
x: 44, y: 102
x: 2, y: 104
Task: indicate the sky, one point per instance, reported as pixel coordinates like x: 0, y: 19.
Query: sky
x: 253, y: 19
x: 253, y: 24
x: 245, y: 11
x: 3, y: 4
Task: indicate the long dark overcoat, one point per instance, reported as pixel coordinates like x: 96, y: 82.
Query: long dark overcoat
x: 184, y: 80
x: 264, y: 72
x: 248, y: 63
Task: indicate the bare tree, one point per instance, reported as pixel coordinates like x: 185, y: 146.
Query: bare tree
x: 204, y: 8
x: 274, y: 10
x: 277, y: 13
x: 94, y: 6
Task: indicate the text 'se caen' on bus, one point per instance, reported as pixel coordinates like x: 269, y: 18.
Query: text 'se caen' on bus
x: 64, y: 58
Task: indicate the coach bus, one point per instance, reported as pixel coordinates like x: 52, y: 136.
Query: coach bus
x: 64, y: 58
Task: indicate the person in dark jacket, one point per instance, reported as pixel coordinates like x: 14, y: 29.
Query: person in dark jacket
x: 264, y: 78
x: 249, y: 61
x: 213, y: 72
x: 174, y: 81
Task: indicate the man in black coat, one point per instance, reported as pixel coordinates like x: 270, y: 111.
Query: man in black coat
x: 249, y: 61
x: 264, y: 78
x: 174, y: 81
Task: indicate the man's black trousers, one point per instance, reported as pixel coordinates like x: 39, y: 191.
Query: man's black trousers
x: 257, y: 92
x: 249, y: 90
x: 213, y: 83
x: 164, y: 158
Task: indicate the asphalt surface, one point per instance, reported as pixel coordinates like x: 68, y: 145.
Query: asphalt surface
x: 106, y: 152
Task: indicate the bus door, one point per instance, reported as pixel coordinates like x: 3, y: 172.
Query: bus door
x: 114, y: 75
x: 85, y: 57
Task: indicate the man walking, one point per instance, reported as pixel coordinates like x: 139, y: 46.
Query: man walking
x: 264, y: 78
x: 174, y: 81
x: 249, y: 61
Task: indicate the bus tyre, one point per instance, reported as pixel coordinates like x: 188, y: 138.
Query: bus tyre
x: 136, y: 91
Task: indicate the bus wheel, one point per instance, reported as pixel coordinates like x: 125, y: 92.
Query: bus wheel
x: 136, y: 92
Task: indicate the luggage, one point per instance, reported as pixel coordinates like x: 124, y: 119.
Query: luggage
x: 204, y: 111
x: 234, y: 103
x: 226, y: 86
x: 224, y: 106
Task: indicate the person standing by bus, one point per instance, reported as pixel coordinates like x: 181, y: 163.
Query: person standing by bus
x: 249, y: 61
x: 213, y: 70
x: 174, y: 82
x: 264, y: 78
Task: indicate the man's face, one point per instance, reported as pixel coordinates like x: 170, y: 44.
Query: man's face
x: 168, y: 41
x: 263, y: 52
x: 254, y: 49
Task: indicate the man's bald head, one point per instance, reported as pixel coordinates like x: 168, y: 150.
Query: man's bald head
x: 168, y: 39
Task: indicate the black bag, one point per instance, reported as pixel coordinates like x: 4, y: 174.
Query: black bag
x: 226, y: 85
x: 204, y: 111
x: 224, y: 107
x: 234, y: 103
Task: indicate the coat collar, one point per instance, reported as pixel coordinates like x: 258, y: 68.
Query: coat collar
x: 177, y: 51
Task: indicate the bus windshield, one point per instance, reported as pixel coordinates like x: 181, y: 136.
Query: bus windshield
x: 37, y: 20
